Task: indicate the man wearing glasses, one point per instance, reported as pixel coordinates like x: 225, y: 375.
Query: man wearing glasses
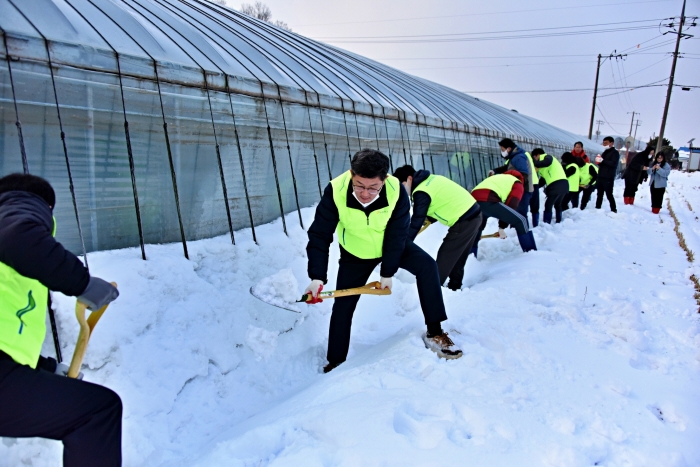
x: 369, y: 211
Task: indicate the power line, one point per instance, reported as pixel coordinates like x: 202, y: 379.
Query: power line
x: 482, y: 14
x: 452, y: 37
x: 649, y: 85
x: 512, y: 56
x: 497, y: 66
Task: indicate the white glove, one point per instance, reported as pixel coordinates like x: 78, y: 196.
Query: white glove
x: 491, y: 172
x: 314, y: 287
x: 502, y: 234
x: 385, y: 283
x: 62, y: 370
x: 598, y: 159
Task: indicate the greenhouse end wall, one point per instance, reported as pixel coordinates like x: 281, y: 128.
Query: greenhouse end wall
x: 150, y: 160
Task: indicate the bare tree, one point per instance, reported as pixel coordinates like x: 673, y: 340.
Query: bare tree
x: 262, y: 12
x: 258, y: 10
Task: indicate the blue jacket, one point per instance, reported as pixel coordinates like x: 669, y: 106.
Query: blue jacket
x: 517, y: 160
x: 659, y: 177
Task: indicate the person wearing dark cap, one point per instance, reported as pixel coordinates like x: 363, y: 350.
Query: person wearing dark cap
x: 498, y: 196
x: 517, y: 159
x: 369, y: 211
x: 37, y: 398
x: 438, y: 198
x: 572, y: 168
x: 552, y: 174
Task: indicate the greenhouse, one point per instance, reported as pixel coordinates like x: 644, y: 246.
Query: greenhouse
x: 174, y: 120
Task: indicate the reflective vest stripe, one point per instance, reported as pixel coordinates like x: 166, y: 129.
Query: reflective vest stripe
x: 23, y: 303
x: 448, y: 200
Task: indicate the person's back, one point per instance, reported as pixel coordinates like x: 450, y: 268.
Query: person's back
x: 437, y: 198
x: 38, y: 400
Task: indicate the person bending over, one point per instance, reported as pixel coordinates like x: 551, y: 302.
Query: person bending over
x: 438, y: 198
x: 498, y: 196
x: 36, y: 397
x: 369, y: 212
x: 553, y: 176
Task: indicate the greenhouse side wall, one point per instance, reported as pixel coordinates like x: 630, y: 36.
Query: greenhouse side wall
x: 213, y: 141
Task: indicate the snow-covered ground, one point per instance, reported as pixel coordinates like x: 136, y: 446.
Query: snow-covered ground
x: 583, y: 353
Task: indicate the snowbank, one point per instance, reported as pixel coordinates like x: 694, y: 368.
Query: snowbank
x: 582, y: 353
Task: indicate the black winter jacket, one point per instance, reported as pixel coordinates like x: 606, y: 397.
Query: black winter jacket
x: 421, y: 204
x: 608, y: 167
x: 326, y: 220
x: 27, y: 246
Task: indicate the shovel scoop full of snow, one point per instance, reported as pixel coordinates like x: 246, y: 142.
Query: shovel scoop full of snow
x: 373, y: 288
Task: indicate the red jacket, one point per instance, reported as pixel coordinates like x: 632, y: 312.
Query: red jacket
x: 582, y: 155
x: 514, y: 197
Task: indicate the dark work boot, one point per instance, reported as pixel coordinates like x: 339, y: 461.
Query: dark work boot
x: 527, y: 242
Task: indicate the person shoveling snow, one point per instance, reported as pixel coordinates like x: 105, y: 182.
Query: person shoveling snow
x: 369, y: 210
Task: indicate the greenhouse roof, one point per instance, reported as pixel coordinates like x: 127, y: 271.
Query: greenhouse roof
x: 198, y: 43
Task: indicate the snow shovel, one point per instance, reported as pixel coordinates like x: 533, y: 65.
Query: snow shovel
x: 426, y: 224
x: 493, y: 235
x: 86, y: 327
x: 373, y: 288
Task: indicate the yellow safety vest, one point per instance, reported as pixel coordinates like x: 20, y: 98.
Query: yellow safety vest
x: 359, y: 234
x: 552, y: 173
x: 501, y: 184
x: 575, y: 179
x: 586, y: 177
x: 23, y: 303
x: 448, y: 200
x: 533, y: 171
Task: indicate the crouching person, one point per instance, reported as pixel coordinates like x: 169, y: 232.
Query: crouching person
x: 440, y: 199
x: 498, y: 196
x: 36, y: 397
x: 369, y: 211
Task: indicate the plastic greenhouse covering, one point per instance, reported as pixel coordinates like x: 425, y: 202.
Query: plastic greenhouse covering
x: 174, y: 120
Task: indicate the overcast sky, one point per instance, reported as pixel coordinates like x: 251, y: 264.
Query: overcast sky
x: 545, y: 63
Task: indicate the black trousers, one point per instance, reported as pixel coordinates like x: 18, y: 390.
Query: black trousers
x: 354, y: 272
x: 586, y: 197
x: 555, y: 198
x: 631, y: 184
x: 503, y: 213
x: 605, y: 186
x: 657, y: 197
x: 455, y: 249
x: 571, y: 197
x: 535, y: 201
x: 85, y: 416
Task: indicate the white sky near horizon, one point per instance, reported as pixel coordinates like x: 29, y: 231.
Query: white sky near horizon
x: 509, y: 65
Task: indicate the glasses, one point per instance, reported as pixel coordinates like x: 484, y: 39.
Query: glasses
x: 371, y: 191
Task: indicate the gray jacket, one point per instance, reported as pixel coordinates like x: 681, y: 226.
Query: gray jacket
x: 659, y: 177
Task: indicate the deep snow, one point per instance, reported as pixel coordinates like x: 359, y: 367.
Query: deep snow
x: 583, y: 353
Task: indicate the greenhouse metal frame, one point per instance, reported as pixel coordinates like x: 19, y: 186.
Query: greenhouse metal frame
x: 175, y: 120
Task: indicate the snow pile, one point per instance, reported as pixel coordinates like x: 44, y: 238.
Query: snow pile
x: 280, y: 289
x: 585, y: 352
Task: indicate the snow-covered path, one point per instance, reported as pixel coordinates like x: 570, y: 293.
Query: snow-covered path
x: 583, y: 353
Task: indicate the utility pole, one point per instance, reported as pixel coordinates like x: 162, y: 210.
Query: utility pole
x: 597, y: 133
x: 670, y: 79
x: 631, y: 123
x: 595, y: 89
x: 595, y: 94
x: 635, y: 132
